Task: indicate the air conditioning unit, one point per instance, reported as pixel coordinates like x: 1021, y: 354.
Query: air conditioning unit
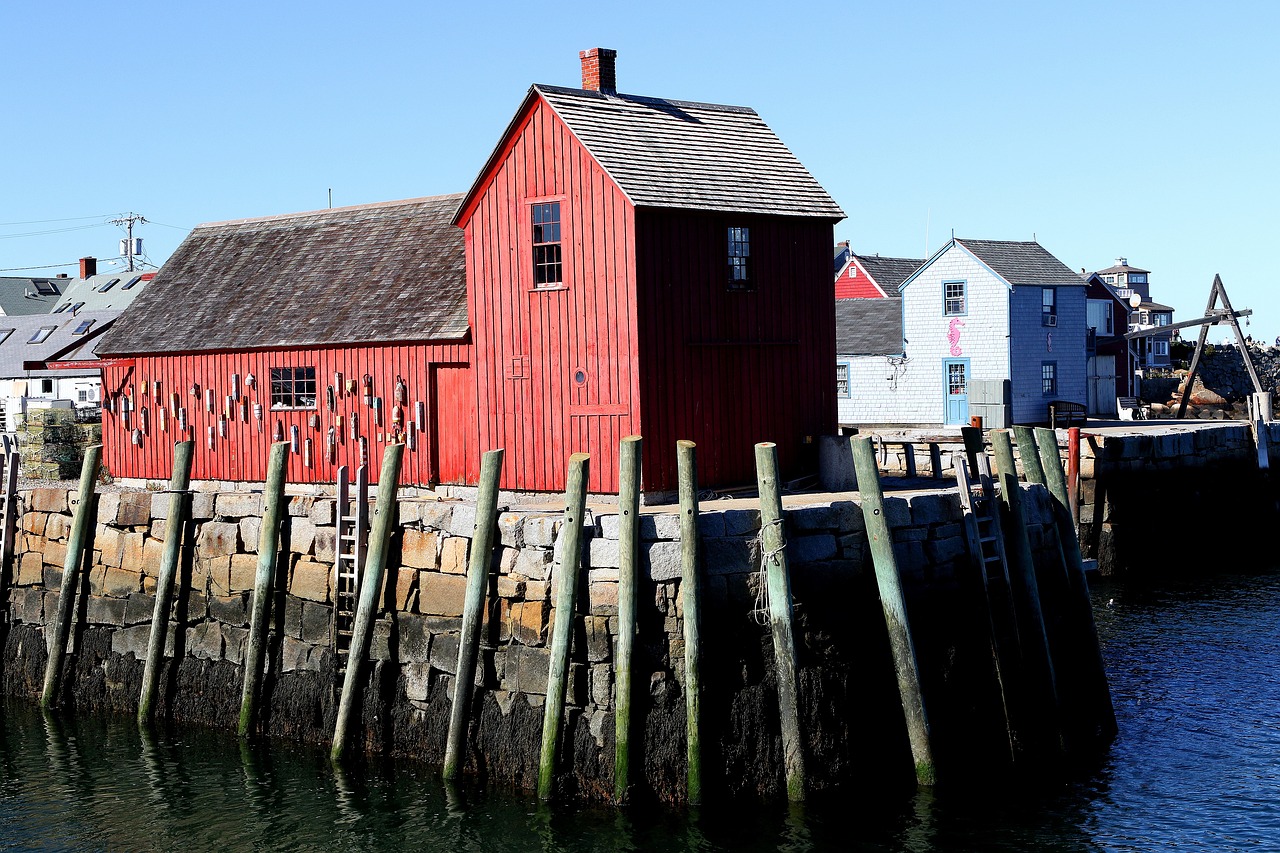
x: 1051, y: 319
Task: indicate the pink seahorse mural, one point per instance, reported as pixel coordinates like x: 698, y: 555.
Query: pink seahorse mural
x: 953, y: 335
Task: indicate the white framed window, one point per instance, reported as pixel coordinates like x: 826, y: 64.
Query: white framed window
x: 1160, y: 348
x: 1048, y: 378
x: 953, y: 298
x: 843, y: 389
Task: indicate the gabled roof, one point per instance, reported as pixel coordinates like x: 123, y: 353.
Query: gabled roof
x: 103, y: 292
x: 889, y: 273
x: 869, y: 326
x: 393, y: 271
x: 681, y: 154
x: 21, y: 295
x: 842, y: 257
x: 16, y: 346
x: 1019, y: 262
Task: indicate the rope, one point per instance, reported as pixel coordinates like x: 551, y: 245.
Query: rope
x: 760, y: 614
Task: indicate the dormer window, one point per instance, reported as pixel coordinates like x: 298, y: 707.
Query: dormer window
x: 548, y: 270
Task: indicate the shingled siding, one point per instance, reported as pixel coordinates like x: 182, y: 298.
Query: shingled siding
x: 851, y: 710
x: 434, y: 375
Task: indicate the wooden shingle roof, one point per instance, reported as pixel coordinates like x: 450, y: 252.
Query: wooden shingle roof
x: 889, y: 272
x: 685, y: 155
x: 869, y: 326
x: 393, y: 271
x: 1022, y: 262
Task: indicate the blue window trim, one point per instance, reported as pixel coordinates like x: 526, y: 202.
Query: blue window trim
x: 848, y: 394
x: 964, y: 283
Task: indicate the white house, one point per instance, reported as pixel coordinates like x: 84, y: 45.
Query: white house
x: 992, y: 328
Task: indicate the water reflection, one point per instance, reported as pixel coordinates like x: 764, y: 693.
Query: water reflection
x: 1195, y: 765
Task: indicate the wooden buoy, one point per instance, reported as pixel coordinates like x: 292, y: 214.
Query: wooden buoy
x: 175, y: 523
x: 384, y: 516
x: 773, y: 558
x: 628, y: 558
x: 268, y: 539
x: 889, y: 581
x: 566, y: 582
x: 690, y: 597
x: 473, y: 602
x: 78, y: 541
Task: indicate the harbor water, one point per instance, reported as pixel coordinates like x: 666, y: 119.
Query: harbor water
x: 1195, y: 766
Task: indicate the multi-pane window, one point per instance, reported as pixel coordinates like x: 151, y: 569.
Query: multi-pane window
x: 842, y: 380
x: 1048, y: 306
x: 953, y: 298
x: 1048, y: 378
x: 293, y: 387
x: 956, y: 382
x: 739, y: 268
x: 547, y: 268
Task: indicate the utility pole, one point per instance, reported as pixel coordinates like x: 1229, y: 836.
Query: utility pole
x: 127, y: 221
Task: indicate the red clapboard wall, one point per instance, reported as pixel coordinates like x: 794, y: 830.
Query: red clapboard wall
x: 435, y: 376
x: 556, y: 368
x: 854, y: 283
x: 730, y: 368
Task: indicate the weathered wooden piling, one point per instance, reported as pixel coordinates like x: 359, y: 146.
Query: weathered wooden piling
x: 268, y: 553
x: 773, y: 558
x: 690, y: 598
x: 1073, y: 475
x: 384, y: 519
x: 566, y: 590
x: 974, y: 446
x: 81, y: 536
x: 1038, y: 658
x: 175, y: 523
x: 628, y: 557
x: 1087, y: 631
x: 10, y: 463
x: 889, y: 581
x: 477, y: 577
x: 1029, y: 454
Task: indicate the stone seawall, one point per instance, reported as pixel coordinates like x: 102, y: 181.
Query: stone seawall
x: 850, y: 713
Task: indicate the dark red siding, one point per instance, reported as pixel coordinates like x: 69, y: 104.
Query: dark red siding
x: 435, y: 375
x: 727, y: 369
x: 556, y: 368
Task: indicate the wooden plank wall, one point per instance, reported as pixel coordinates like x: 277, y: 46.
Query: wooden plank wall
x: 728, y: 369
x: 242, y: 454
x: 531, y: 343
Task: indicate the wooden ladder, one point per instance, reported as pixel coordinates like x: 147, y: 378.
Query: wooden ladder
x: 348, y: 560
x: 981, y: 509
x: 10, y: 463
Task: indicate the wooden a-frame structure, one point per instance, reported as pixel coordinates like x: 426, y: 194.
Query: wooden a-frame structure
x: 1212, y: 317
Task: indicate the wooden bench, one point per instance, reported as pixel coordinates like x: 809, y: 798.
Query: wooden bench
x: 1131, y: 409
x: 1066, y: 413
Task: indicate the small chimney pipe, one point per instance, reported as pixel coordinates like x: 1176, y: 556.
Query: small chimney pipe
x: 599, y: 73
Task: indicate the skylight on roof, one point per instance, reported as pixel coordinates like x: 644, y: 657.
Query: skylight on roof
x: 61, y: 308
x: 76, y: 307
x: 44, y: 287
x: 4, y: 334
x: 131, y: 282
x: 42, y: 334
x: 84, y: 326
x: 109, y: 285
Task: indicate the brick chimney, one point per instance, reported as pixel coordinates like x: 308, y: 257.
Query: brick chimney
x: 88, y: 267
x: 598, y: 74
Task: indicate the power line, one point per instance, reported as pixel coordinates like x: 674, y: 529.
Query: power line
x: 43, y: 221
x: 53, y: 231
x: 39, y: 267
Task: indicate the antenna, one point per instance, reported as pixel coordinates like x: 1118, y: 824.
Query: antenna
x: 927, y: 213
x: 130, y: 247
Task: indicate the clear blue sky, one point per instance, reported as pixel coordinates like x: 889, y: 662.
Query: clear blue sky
x: 1103, y: 129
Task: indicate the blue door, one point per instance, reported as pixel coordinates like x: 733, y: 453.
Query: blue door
x: 956, y: 381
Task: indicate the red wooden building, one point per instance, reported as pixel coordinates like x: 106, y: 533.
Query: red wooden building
x: 345, y: 328
x: 632, y: 265
x: 645, y: 266
x: 870, y: 276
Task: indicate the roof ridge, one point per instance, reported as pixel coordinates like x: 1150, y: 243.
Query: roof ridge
x: 641, y: 99
x: 325, y: 211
